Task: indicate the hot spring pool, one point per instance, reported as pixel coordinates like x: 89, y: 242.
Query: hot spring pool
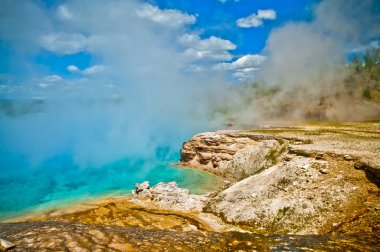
x: 58, y: 184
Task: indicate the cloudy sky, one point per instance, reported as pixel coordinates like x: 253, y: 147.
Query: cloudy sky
x: 45, y: 42
x: 136, y: 77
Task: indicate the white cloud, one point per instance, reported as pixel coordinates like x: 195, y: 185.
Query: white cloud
x: 213, y: 48
x: 212, y: 43
x: 244, y: 68
x: 64, y: 43
x: 207, y: 55
x: 195, y: 68
x: 248, y: 22
x: 87, y: 71
x: 52, y: 78
x: 174, y: 18
x: 256, y: 20
x: 72, y: 68
x: 43, y: 85
x: 63, y: 12
x: 266, y: 14
x: 47, y: 81
x: 93, y: 69
x: 245, y: 62
x: 245, y: 73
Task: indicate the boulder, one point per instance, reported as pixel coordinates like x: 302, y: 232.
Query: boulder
x: 170, y: 196
x: 141, y: 187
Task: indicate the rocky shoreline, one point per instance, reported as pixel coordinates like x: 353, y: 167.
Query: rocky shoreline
x: 299, y: 180
x: 316, y: 183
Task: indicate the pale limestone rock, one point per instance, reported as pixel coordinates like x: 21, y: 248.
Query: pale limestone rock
x: 284, y: 193
x: 172, y: 197
x: 232, y: 154
x: 141, y: 187
x: 142, y: 190
x: 324, y: 171
x: 6, y: 245
x: 348, y: 157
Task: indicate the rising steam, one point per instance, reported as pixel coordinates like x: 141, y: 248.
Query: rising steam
x: 142, y: 104
x: 305, y: 74
x: 141, y: 99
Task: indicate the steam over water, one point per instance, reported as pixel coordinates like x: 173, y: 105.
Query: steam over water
x: 59, y: 182
x: 52, y: 156
x: 84, y: 129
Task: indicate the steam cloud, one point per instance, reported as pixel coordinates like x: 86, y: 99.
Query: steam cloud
x: 306, y: 61
x: 299, y: 53
x: 306, y: 58
x: 142, y: 103
x: 146, y: 98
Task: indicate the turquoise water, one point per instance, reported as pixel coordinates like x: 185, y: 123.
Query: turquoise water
x: 58, y: 183
x: 59, y: 152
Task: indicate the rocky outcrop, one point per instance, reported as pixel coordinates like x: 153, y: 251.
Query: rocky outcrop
x: 232, y: 154
x: 302, y: 195
x: 299, y: 195
x: 170, y: 196
x: 318, y: 187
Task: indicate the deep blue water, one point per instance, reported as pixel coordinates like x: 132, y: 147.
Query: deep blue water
x: 59, y: 183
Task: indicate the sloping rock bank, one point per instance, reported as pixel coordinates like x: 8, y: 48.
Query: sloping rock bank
x: 325, y: 178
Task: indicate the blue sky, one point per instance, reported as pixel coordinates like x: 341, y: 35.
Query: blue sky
x: 121, y: 43
x: 122, y: 77
x: 218, y: 18
x: 27, y: 56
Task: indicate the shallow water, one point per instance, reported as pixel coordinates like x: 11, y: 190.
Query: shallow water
x: 59, y: 184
